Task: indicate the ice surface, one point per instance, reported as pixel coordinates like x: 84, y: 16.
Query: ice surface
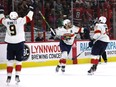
x: 75, y: 76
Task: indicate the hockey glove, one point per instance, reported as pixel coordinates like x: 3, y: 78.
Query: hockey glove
x: 31, y: 8
x: 91, y: 43
x: 33, y: 5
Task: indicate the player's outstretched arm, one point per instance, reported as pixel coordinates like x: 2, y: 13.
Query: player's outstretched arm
x: 30, y: 14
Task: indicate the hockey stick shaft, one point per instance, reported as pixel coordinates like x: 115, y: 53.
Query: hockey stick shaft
x: 47, y: 23
x: 79, y: 54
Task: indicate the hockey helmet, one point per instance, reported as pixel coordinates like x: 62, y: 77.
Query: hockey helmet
x: 66, y: 21
x: 102, y: 19
x: 13, y: 15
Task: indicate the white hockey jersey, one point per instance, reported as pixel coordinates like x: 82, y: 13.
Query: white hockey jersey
x: 100, y: 33
x: 15, y: 28
x: 61, y: 31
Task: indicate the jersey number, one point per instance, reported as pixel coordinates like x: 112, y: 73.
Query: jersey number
x: 77, y: 14
x: 13, y: 30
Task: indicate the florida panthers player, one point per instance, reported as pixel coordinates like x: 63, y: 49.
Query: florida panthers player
x: 15, y: 37
x: 68, y: 34
x: 98, y: 43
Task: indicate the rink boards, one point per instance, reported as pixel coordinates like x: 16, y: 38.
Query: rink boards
x: 48, y: 53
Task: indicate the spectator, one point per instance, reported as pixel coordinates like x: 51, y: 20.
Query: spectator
x: 47, y: 12
x: 39, y: 37
x: 60, y: 20
x: 59, y: 7
x: 78, y: 13
x: 66, y: 8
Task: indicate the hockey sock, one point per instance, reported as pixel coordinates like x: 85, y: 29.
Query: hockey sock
x: 62, y: 61
x: 94, y: 61
x: 18, y: 69
x: 10, y: 67
x: 9, y: 70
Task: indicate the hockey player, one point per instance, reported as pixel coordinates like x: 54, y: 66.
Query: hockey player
x: 68, y: 34
x: 15, y: 37
x: 98, y: 43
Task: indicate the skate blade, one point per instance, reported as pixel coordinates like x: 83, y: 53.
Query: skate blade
x: 7, y: 84
x: 17, y: 83
x: 56, y: 71
x: 63, y: 72
x: 91, y: 73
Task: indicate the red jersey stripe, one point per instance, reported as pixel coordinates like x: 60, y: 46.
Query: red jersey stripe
x: 97, y: 31
x: 27, y: 19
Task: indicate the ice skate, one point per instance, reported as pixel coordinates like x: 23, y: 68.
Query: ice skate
x: 8, y: 80
x: 105, y: 61
x: 63, y: 69
x: 57, y: 68
x: 92, y: 69
x: 17, y: 79
x: 90, y: 72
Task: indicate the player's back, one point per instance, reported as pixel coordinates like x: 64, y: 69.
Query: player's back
x: 15, y: 30
x: 103, y: 36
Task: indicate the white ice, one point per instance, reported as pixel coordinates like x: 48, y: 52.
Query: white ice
x: 75, y: 76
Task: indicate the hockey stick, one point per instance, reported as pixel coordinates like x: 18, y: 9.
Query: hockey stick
x: 79, y: 54
x: 47, y: 23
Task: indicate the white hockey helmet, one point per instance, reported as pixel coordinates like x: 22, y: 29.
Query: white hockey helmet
x: 102, y: 19
x: 66, y: 21
x: 13, y: 15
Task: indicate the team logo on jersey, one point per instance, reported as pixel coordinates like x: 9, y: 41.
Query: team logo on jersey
x: 26, y: 53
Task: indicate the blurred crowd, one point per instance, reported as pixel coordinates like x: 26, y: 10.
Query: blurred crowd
x: 83, y: 13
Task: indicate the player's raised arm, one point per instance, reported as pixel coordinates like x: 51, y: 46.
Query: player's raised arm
x: 79, y: 30
x: 30, y: 14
